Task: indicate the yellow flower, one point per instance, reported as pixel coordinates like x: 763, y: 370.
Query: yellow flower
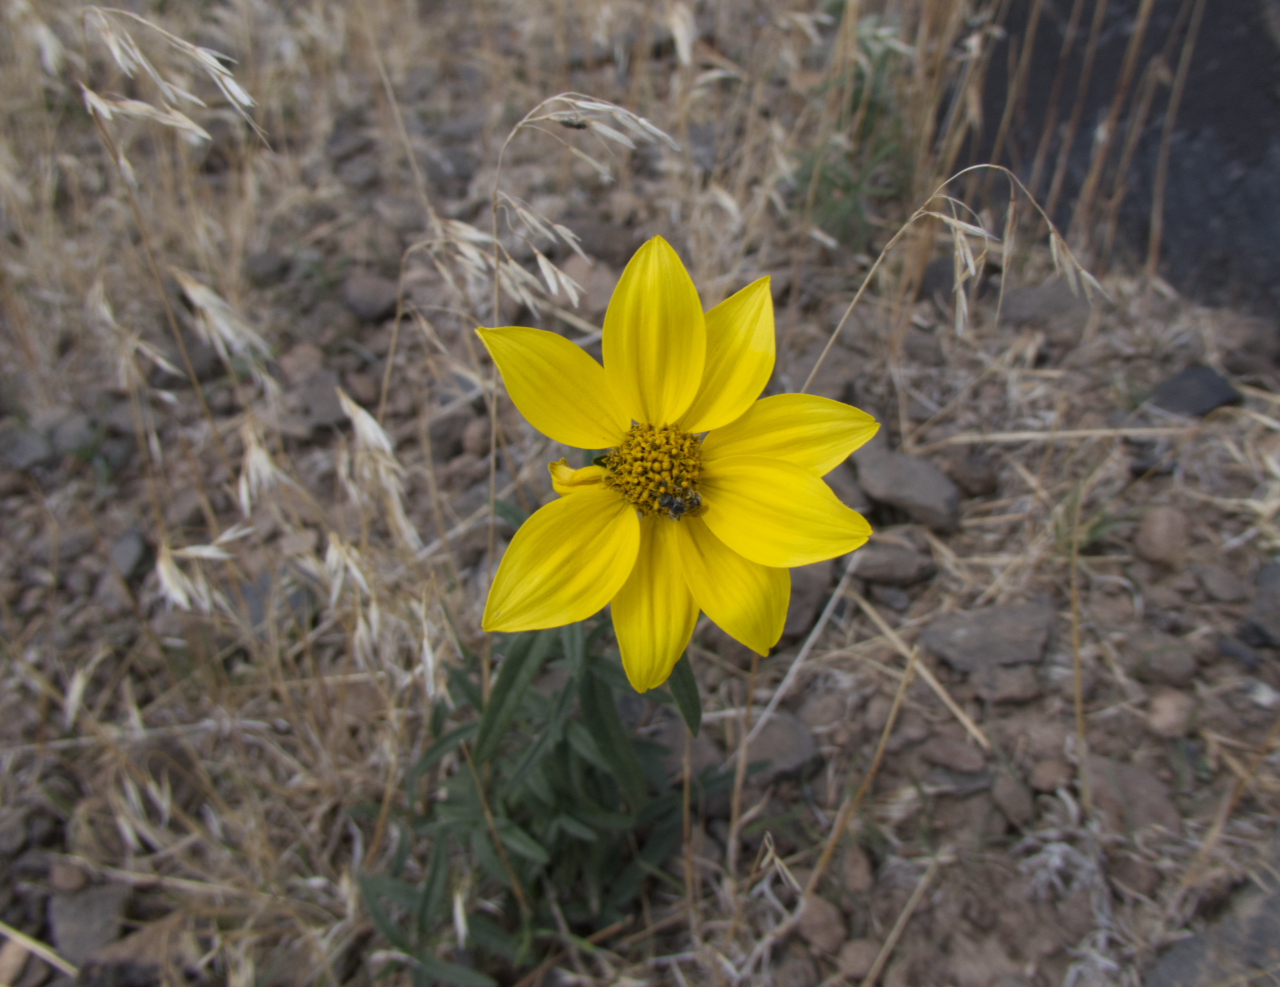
x: 706, y: 496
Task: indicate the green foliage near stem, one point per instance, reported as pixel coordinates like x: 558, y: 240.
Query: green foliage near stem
x: 580, y: 806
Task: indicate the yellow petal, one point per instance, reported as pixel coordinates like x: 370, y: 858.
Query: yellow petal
x: 565, y: 563
x: 748, y: 601
x: 802, y: 429
x: 777, y: 513
x: 740, y: 351
x: 653, y: 616
x: 566, y: 480
x: 655, y: 340
x: 558, y: 388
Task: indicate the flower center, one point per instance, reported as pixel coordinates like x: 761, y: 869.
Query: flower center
x: 656, y: 469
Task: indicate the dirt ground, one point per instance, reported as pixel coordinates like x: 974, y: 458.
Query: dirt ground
x: 1074, y: 565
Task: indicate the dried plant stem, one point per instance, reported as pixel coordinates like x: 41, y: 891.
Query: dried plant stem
x: 37, y: 948
x: 1229, y: 803
x: 1166, y: 138
x: 1077, y: 669
x: 516, y: 889
x: 687, y: 831
x: 1084, y: 202
x: 971, y: 728
x: 851, y: 805
x: 145, y: 239
x: 1077, y: 108
x: 882, y: 958
x: 543, y: 968
x: 740, y: 774
x: 789, y: 679
x: 1055, y: 89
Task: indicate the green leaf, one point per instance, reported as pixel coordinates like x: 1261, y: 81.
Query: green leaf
x: 684, y: 687
x: 370, y: 895
x: 600, y: 716
x: 525, y: 656
x: 518, y: 841
x: 510, y: 513
x: 431, y: 904
x: 452, y: 973
x: 438, y: 750
x: 575, y: 648
x: 576, y: 829
x: 551, y: 733
x: 491, y: 937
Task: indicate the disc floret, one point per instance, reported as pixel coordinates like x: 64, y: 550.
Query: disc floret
x: 656, y: 469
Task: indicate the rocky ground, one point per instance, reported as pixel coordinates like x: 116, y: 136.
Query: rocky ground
x: 1059, y: 491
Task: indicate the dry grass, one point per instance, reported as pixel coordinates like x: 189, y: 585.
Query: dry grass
x: 229, y: 733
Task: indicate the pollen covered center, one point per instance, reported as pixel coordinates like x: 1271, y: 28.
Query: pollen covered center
x: 656, y: 468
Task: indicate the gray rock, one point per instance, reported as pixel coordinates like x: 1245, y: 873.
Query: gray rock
x: 821, y: 924
x: 974, y: 472
x: 370, y: 297
x: 22, y: 447
x: 1221, y: 584
x: 289, y: 600
x: 704, y: 753
x: 1161, y: 659
x: 1263, y: 622
x: 1129, y: 798
x: 1237, y: 949
x: 1163, y: 536
x: 13, y: 831
x: 1052, y: 305
x: 347, y: 141
x: 1230, y: 647
x: 1012, y: 799
x: 117, y: 452
x: 128, y: 553
x: 319, y: 393
x: 891, y: 596
x: 785, y: 743
x: 1006, y: 635
x: 1169, y: 714
x: 446, y: 433
x: 1195, y: 391
x: 74, y: 433
x: 953, y: 754
x: 265, y: 269
x: 997, y: 684
x: 884, y: 562
x: 857, y: 957
x: 912, y: 485
x: 85, y: 921
x: 360, y: 173
x: 809, y: 585
x: 845, y: 487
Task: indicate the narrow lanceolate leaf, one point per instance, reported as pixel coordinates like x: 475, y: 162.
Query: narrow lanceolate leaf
x: 370, y: 896
x: 518, y: 841
x: 605, y: 727
x: 442, y: 971
x: 524, y: 657
x: 685, y: 689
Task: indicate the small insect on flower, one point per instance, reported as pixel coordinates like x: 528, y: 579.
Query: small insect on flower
x: 706, y: 495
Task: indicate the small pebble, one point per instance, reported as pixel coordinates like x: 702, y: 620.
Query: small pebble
x: 1170, y: 713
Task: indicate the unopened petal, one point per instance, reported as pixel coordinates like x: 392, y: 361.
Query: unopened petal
x: 654, y: 614
x: 740, y: 354
x: 558, y: 388
x: 655, y: 340
x: 748, y: 601
x: 805, y: 430
x: 777, y: 513
x: 566, y: 480
x: 564, y: 563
